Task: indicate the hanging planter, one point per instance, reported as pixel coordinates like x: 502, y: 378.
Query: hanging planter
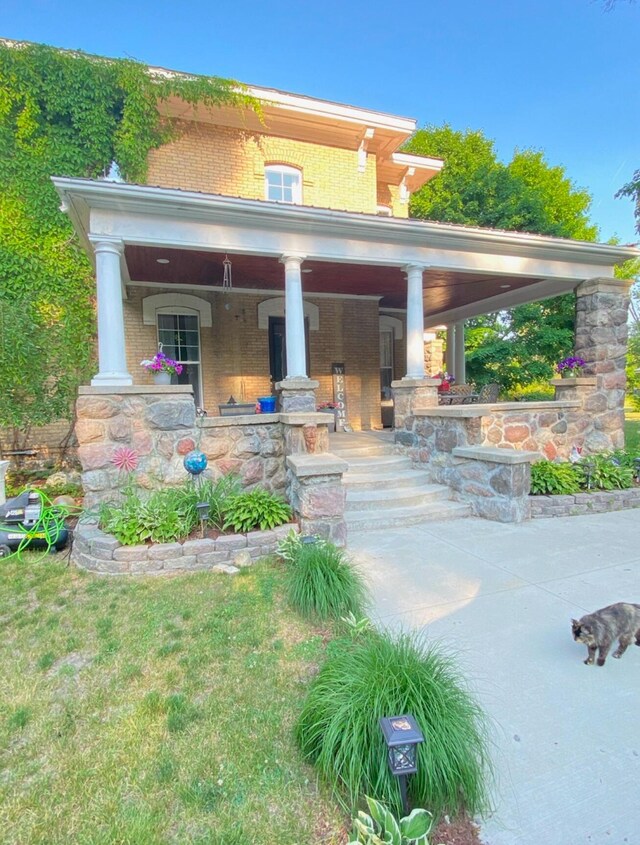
x: 162, y: 378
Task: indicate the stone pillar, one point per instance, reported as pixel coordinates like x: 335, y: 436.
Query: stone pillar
x: 305, y: 433
x: 495, y: 482
x: 317, y: 495
x: 460, y: 364
x: 433, y: 354
x: 410, y: 395
x: 602, y: 307
x: 294, y: 318
x: 451, y: 342
x: 112, y: 356
x: 4, y: 466
x: 139, y: 433
x: 415, y: 322
x: 297, y: 395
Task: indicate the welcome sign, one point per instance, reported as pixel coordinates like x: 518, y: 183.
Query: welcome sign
x: 340, y: 396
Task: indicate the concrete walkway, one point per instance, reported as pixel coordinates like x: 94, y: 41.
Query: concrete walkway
x: 567, y: 736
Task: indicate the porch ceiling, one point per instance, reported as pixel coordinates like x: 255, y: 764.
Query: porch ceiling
x: 444, y: 290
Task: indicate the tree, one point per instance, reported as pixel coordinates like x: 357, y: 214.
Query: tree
x: 522, y: 345
x: 632, y: 189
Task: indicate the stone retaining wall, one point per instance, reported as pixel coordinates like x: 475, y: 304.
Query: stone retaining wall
x: 600, y: 501
x: 101, y: 553
x: 159, y: 424
x: 547, y: 428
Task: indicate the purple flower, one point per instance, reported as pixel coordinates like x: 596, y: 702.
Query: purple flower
x: 570, y: 363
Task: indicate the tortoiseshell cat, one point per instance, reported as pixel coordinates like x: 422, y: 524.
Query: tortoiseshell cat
x: 600, y: 629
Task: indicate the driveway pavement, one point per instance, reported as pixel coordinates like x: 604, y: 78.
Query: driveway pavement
x: 567, y: 736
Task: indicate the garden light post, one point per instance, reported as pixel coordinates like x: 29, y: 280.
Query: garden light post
x: 402, y: 736
x: 203, y: 514
x: 589, y: 468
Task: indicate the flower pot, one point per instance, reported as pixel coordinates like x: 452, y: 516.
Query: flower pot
x: 576, y: 372
x: 162, y: 378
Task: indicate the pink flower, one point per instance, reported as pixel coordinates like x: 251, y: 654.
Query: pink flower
x: 125, y: 459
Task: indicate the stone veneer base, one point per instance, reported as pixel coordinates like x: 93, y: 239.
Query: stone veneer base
x: 101, y: 553
x: 601, y: 501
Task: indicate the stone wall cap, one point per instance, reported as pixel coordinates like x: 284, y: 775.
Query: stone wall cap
x: 416, y: 382
x: 297, y: 384
x: 586, y: 381
x: 471, y: 411
x: 234, y: 420
x: 324, y: 464
x: 495, y: 455
x: 305, y: 418
x: 129, y: 389
x: 603, y: 285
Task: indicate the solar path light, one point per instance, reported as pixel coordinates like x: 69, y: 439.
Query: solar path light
x: 402, y: 736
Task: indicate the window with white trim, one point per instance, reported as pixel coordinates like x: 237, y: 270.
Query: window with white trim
x: 179, y: 335
x: 283, y: 183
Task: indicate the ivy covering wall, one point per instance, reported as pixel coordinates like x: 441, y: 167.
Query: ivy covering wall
x: 66, y: 114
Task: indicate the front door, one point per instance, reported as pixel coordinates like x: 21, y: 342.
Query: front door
x: 278, y: 348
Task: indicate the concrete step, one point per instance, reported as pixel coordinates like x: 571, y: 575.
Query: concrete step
x: 395, y: 517
x: 392, y: 498
x: 372, y: 480
x: 380, y: 464
x: 368, y: 450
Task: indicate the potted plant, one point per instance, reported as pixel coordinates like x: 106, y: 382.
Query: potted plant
x: 570, y: 367
x: 329, y: 408
x: 161, y: 367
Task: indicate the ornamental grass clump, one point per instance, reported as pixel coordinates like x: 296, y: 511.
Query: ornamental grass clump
x: 322, y: 584
x: 381, y: 674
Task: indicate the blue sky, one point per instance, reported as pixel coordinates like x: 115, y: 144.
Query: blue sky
x: 557, y: 75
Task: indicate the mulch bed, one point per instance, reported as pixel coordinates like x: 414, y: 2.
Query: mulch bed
x: 460, y: 831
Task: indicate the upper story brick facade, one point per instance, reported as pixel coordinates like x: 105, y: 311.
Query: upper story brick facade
x: 345, y: 158
x: 222, y: 160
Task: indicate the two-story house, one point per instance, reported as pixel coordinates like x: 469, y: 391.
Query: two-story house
x: 264, y: 252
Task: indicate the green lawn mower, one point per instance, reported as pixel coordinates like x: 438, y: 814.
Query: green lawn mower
x: 31, y: 521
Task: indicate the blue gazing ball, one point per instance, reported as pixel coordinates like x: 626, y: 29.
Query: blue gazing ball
x: 195, y: 462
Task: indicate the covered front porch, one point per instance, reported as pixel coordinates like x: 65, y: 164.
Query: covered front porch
x: 311, y: 289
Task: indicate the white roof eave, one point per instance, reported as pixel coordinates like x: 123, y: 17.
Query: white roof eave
x: 79, y: 196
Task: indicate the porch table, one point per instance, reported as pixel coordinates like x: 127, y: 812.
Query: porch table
x: 458, y: 398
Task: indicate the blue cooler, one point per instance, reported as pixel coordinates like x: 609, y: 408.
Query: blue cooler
x: 267, y: 404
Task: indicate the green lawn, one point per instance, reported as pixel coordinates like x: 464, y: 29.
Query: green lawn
x: 632, y: 430
x: 154, y: 711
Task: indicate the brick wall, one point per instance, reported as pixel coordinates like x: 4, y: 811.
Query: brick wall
x: 219, y: 160
x: 235, y: 352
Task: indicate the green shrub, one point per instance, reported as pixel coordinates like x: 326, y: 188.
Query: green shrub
x: 381, y: 826
x: 321, y: 583
x: 255, y: 508
x: 605, y: 472
x: 376, y: 675
x: 554, y: 479
x: 537, y: 391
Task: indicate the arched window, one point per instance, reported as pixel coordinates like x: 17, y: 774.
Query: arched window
x: 283, y: 183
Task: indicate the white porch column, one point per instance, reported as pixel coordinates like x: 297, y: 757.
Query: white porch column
x: 294, y: 317
x: 450, y: 351
x: 415, y: 322
x: 459, y: 365
x: 112, y: 356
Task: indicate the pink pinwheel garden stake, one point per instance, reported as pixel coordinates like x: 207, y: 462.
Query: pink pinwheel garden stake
x: 125, y: 459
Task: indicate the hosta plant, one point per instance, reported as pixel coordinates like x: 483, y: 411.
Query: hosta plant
x: 604, y: 472
x: 255, y: 508
x: 379, y: 827
x: 548, y: 478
